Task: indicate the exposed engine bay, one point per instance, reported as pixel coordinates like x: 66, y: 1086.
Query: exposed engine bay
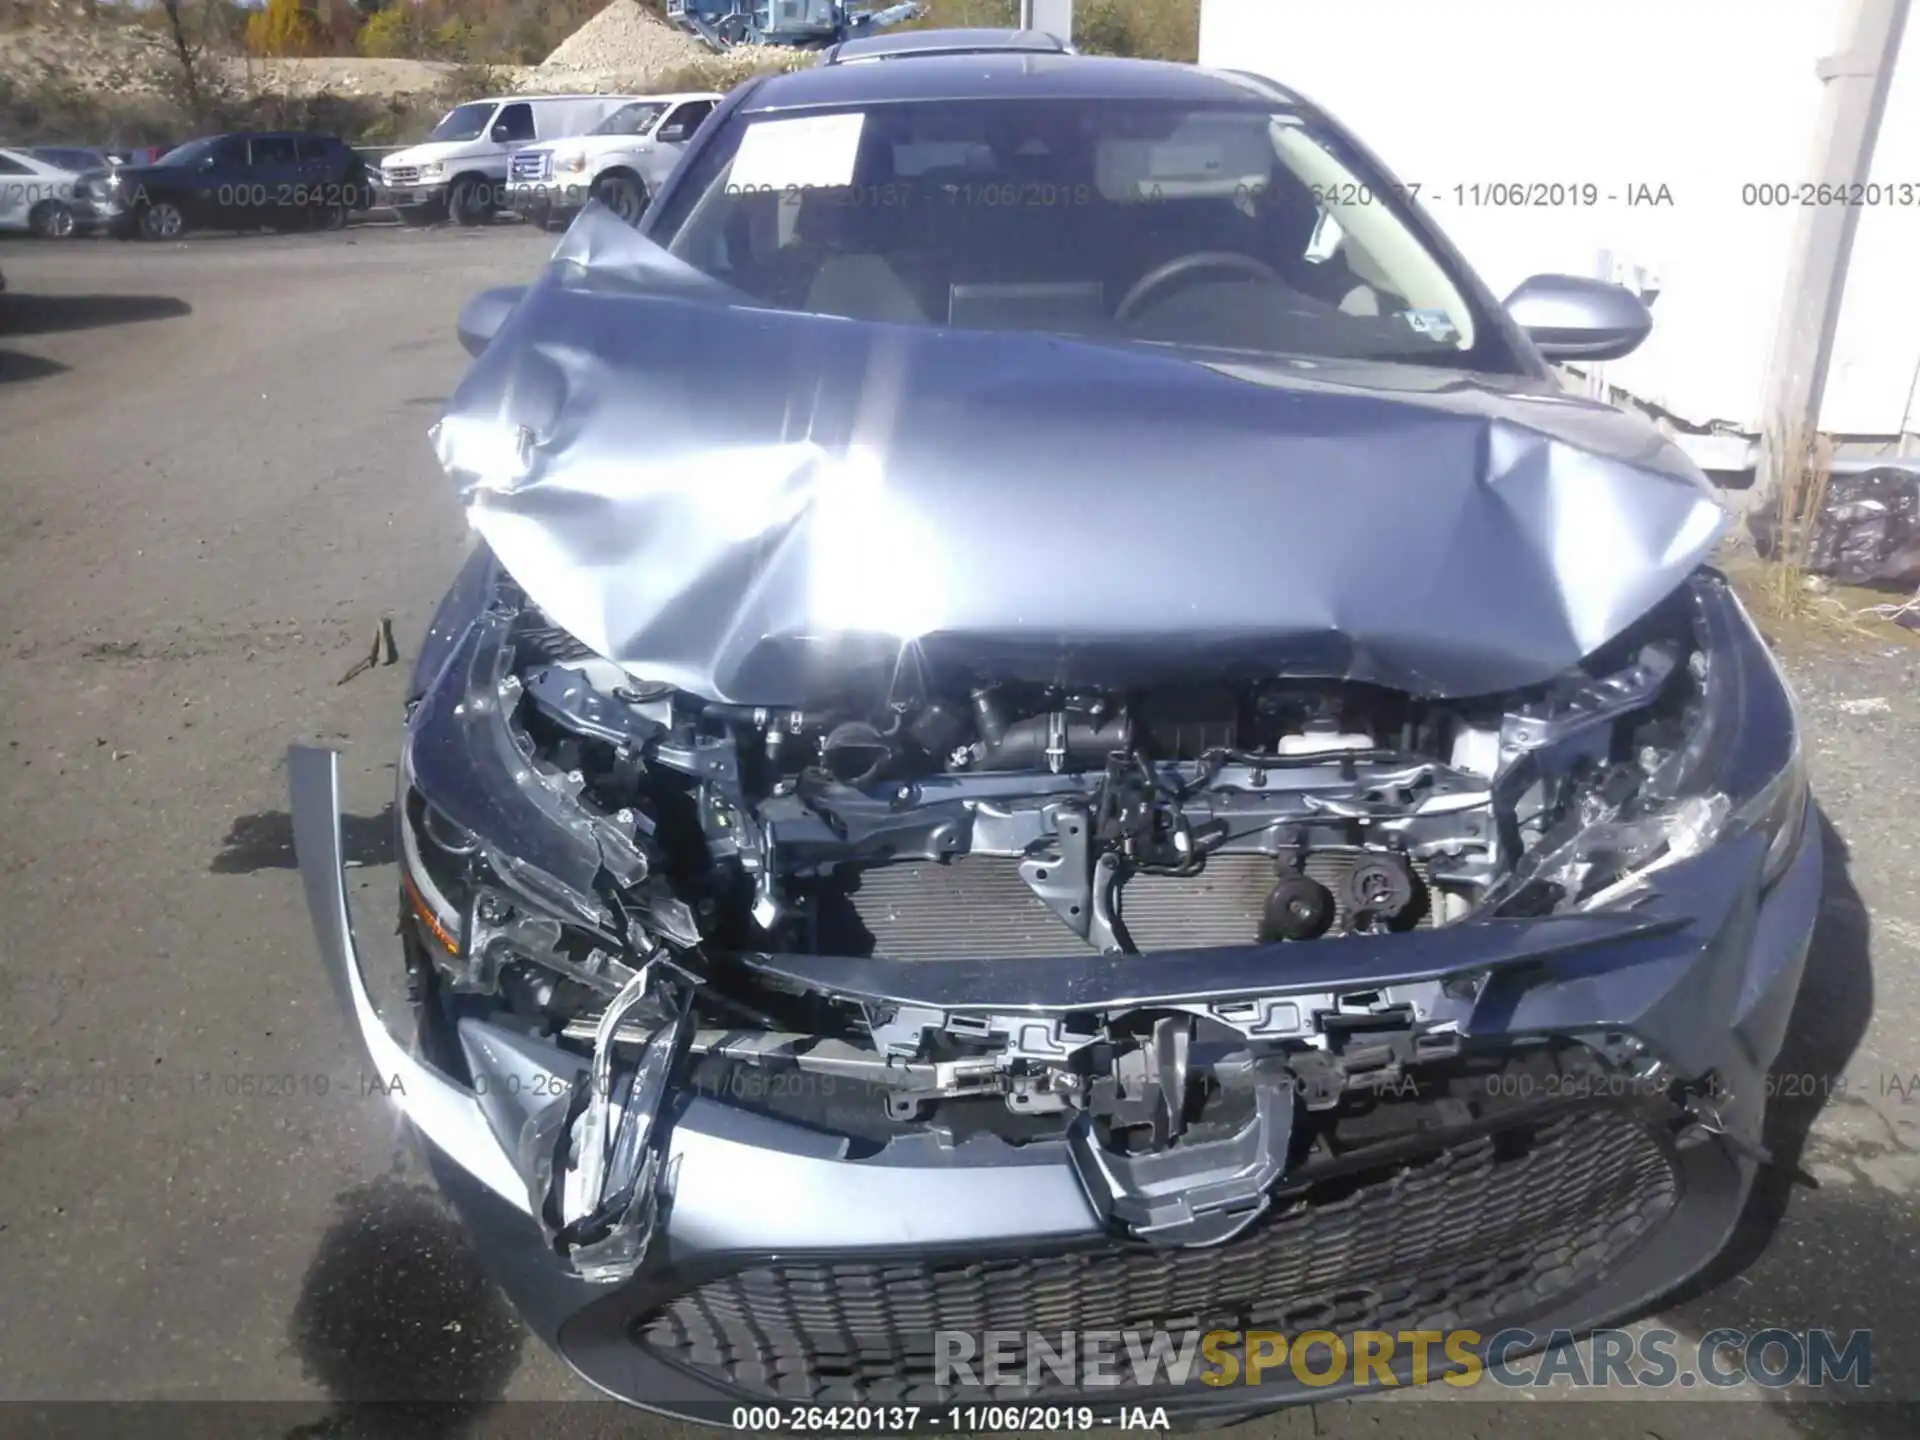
x: 943, y: 818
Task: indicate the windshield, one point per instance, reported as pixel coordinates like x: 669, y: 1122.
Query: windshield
x: 191, y: 153
x: 465, y: 122
x: 1233, y: 228
x: 635, y: 119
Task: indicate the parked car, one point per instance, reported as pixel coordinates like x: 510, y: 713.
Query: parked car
x: 621, y: 162
x: 80, y: 159
x: 246, y: 181
x: 138, y: 155
x: 460, y: 171
x: 45, y: 197
x: 1059, y: 728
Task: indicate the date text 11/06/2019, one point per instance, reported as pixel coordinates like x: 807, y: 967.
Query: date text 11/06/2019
x: 954, y: 1420
x: 988, y: 194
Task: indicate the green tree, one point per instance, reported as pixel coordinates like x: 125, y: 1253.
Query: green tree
x: 1149, y: 29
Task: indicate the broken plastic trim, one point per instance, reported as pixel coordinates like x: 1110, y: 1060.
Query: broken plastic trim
x: 607, y: 1171
x: 462, y: 756
x: 445, y: 1113
x: 1192, y: 1195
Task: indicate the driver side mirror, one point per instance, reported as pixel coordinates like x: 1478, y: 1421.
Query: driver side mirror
x: 483, y: 315
x: 1570, y: 317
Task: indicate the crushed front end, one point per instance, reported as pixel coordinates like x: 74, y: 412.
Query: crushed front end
x: 757, y: 1044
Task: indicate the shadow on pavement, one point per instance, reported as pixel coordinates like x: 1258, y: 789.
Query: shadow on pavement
x: 1833, y: 1254
x: 15, y: 365
x: 265, y: 842
x: 47, y: 314
x: 398, y: 1322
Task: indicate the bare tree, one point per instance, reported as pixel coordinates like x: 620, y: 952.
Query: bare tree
x: 188, y: 54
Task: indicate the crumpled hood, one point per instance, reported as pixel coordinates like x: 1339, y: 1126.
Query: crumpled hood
x: 752, y: 505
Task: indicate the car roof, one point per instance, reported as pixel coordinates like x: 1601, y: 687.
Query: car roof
x: 957, y: 40
x: 546, y: 99
x: 251, y: 135
x: 1010, y: 76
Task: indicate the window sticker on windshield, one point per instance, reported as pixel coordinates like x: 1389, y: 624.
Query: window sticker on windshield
x: 804, y: 153
x: 1436, y: 324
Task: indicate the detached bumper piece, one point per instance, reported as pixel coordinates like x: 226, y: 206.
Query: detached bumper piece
x: 1484, y: 1231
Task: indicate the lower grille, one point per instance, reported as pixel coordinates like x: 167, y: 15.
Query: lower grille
x: 1486, y: 1233
x: 978, y: 906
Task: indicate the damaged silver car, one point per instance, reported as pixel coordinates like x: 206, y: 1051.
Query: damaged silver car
x: 1057, y: 727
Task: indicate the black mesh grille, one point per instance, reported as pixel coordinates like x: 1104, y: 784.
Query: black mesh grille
x: 1487, y: 1232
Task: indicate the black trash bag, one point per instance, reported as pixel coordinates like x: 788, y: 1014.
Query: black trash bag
x: 1867, y: 533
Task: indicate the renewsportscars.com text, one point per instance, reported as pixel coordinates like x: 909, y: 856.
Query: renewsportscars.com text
x: 1649, y: 1359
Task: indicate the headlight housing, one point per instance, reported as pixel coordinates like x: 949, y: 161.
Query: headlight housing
x: 1741, y: 770
x: 570, y: 162
x: 432, y: 169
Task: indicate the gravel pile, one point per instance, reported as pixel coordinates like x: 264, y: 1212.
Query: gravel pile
x: 624, y: 38
x: 709, y: 71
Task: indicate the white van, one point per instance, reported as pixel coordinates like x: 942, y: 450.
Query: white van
x: 460, y: 170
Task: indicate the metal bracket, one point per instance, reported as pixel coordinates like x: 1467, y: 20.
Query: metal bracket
x: 1066, y: 883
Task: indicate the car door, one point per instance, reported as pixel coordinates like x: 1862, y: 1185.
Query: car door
x: 670, y: 138
x: 513, y: 129
x: 16, y: 184
x: 275, y: 182
x: 217, y: 191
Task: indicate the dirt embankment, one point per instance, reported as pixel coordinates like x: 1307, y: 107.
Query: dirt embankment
x: 340, y: 75
x: 103, y: 83
x: 129, y: 60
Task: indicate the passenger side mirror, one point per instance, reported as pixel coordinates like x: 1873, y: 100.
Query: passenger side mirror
x: 673, y: 132
x: 1570, y: 317
x: 483, y: 315
x: 502, y: 133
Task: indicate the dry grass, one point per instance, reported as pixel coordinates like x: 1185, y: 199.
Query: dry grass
x: 1783, y: 584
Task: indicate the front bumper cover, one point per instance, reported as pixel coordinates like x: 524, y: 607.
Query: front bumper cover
x: 419, y: 195
x: 544, y: 199
x: 1705, y: 971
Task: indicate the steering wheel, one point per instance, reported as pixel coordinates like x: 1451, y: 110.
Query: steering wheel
x: 1159, y: 276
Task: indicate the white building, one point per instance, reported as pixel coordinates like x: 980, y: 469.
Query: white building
x: 1702, y: 111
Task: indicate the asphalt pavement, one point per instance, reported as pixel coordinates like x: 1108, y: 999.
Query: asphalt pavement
x: 214, y: 486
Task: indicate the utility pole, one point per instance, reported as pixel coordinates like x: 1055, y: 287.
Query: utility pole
x: 1857, y: 80
x: 1053, y: 16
